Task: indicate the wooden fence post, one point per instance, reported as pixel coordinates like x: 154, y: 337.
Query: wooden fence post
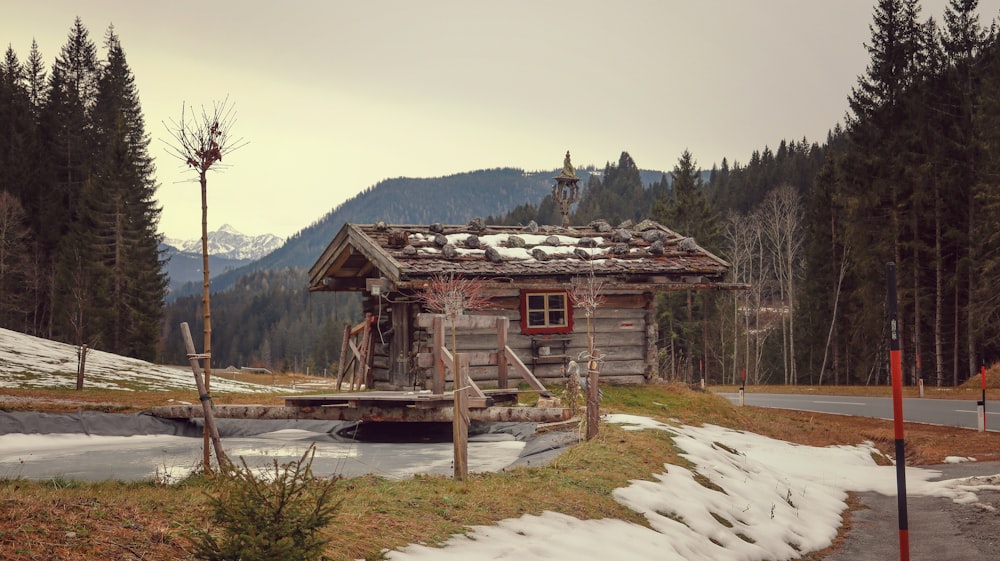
x: 460, y: 425
x: 81, y: 367
x: 593, y: 396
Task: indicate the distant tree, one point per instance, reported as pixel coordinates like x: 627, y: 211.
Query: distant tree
x: 781, y: 217
x: 688, y: 211
x: 963, y: 41
x: 616, y: 196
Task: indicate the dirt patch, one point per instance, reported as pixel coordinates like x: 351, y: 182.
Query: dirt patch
x: 925, y: 444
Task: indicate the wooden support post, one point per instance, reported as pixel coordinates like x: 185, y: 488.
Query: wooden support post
x: 460, y: 425
x: 593, y: 396
x: 437, y: 343
x: 81, y: 366
x: 502, y: 325
x: 343, y: 355
x: 364, y: 360
x: 206, y: 400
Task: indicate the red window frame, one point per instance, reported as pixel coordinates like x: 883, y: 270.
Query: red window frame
x: 549, y: 312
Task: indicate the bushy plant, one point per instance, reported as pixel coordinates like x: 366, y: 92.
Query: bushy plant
x: 278, y: 513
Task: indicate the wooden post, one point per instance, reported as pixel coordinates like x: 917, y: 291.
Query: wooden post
x: 593, y: 396
x: 502, y: 325
x: 344, y: 349
x: 460, y: 424
x: 437, y: 342
x: 81, y: 367
x: 366, y: 349
x: 206, y: 400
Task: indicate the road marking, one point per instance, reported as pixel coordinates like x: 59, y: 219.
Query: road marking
x: 968, y: 411
x: 840, y: 403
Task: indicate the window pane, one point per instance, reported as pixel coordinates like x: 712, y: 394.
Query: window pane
x: 557, y: 301
x: 536, y: 302
x: 557, y: 317
x: 536, y: 319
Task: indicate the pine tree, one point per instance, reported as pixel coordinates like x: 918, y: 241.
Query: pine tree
x: 687, y: 211
x: 963, y: 40
x: 68, y: 142
x: 127, y: 211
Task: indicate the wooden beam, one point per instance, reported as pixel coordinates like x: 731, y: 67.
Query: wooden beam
x: 503, y: 323
x: 367, y: 413
x: 523, y: 370
x: 461, y: 322
x: 437, y: 344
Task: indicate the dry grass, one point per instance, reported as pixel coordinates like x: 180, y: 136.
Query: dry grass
x: 111, y: 521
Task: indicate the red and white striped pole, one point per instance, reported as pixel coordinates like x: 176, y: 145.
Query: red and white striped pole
x: 895, y: 364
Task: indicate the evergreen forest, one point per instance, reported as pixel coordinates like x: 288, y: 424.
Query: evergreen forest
x: 79, y: 248
x: 912, y: 177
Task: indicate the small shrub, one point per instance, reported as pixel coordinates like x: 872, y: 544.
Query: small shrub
x: 275, y: 515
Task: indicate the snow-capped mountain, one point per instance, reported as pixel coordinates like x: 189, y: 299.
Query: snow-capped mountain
x: 228, y: 249
x: 229, y: 243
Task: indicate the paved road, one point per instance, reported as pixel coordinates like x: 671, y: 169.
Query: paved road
x: 948, y: 412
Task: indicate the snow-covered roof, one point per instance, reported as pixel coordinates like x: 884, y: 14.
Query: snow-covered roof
x: 646, y: 253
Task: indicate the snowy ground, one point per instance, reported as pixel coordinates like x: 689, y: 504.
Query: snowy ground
x: 754, y: 498
x: 31, y: 362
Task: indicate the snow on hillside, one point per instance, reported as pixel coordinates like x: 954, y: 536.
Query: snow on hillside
x: 31, y: 362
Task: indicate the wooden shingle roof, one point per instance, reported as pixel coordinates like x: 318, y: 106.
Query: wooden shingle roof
x: 408, y: 255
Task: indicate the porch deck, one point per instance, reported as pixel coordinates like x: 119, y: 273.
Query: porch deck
x: 378, y: 406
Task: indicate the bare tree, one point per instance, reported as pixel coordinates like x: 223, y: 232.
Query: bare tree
x: 452, y: 295
x: 740, y: 254
x: 200, y: 141
x: 782, y: 212
x: 586, y: 293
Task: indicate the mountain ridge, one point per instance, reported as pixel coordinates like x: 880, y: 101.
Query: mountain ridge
x: 228, y: 249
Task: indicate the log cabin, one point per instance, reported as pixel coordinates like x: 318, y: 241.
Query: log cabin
x: 530, y: 275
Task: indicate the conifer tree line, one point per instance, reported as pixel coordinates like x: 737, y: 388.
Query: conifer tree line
x: 79, y: 248
x: 911, y: 177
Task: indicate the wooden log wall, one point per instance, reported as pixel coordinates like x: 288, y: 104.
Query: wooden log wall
x: 624, y: 331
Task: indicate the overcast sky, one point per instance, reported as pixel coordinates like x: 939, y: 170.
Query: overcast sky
x: 334, y: 96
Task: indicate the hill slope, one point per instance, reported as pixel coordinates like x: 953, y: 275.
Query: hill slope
x: 32, y: 362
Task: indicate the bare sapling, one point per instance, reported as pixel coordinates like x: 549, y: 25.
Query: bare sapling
x: 201, y: 141
x: 585, y: 293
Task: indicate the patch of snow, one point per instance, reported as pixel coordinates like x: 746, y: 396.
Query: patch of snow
x: 32, y: 362
x: 958, y: 459
x: 777, y: 501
